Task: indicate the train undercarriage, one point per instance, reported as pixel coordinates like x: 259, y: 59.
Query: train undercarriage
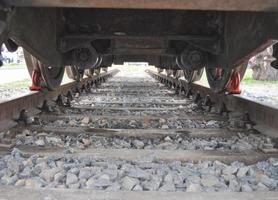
x: 179, y: 36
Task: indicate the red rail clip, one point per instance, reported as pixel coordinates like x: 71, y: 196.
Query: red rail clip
x: 233, y: 86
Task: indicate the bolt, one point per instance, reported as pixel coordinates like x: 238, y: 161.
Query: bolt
x: 197, y: 97
x: 60, y: 101
x: 69, y: 96
x: 45, y: 107
x: 188, y: 93
x: 67, y: 104
x: 223, y: 108
x: 207, y: 101
x: 195, y: 57
x: 23, y: 118
x: 83, y: 56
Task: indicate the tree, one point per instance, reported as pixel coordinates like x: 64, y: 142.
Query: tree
x: 260, y: 64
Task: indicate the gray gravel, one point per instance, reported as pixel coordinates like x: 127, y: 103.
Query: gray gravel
x: 114, y: 175
x: 265, y: 93
x: 239, y: 142
x: 159, y: 123
x: 6, y: 94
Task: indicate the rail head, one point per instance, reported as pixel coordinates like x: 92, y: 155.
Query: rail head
x: 218, y: 5
x: 260, y: 113
x: 10, y: 109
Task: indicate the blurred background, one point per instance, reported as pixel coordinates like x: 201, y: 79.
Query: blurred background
x: 260, y: 81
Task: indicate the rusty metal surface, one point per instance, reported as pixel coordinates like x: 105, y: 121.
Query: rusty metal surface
x: 10, y: 109
x: 258, y: 112
x: 232, y: 5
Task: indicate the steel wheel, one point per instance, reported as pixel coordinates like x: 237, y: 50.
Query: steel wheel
x: 218, y: 78
x: 30, y: 61
x: 51, y: 76
x: 74, y: 73
x: 191, y: 76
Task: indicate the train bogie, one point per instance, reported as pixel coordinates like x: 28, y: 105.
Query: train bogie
x: 173, y: 35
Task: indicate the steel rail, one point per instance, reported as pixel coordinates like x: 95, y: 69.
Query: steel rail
x: 260, y: 113
x: 10, y: 109
x: 227, y: 5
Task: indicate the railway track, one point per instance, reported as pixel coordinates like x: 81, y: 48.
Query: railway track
x: 136, y: 138
x: 15, y: 110
x: 264, y: 115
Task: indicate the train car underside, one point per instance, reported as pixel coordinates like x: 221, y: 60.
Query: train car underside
x: 189, y: 38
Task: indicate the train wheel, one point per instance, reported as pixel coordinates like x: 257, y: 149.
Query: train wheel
x: 89, y: 72
x: 74, y: 73
x: 29, y: 60
x: 219, y: 78
x: 177, y: 73
x: 191, y: 76
x: 159, y: 70
x: 51, y: 77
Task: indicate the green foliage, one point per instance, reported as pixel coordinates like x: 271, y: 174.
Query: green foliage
x: 248, y: 79
x: 13, y: 65
x: 17, y: 84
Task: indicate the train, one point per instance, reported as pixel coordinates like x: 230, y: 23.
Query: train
x: 183, y: 37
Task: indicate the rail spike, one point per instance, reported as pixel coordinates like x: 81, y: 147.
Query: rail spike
x: 77, y: 92
x: 37, y: 121
x: 83, y: 88
x: 45, y: 107
x: 178, y: 89
x: 23, y: 118
x: 182, y: 88
x: 60, y: 100
x: 68, y: 102
x: 223, y: 109
x: 247, y: 121
x: 208, y: 103
x: 188, y: 93
x: 69, y: 95
x: 87, y: 88
x: 197, y: 97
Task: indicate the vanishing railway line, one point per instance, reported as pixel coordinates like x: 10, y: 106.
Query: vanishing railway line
x: 137, y: 138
